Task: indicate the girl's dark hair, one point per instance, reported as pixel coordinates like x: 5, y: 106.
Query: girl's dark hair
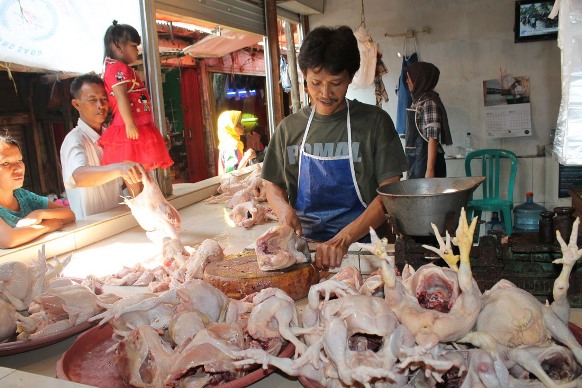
x: 118, y: 34
x: 333, y: 49
x: 8, y: 140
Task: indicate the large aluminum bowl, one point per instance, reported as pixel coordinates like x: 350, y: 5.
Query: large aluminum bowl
x: 415, y: 203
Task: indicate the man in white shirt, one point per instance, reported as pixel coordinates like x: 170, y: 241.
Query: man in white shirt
x: 91, y: 187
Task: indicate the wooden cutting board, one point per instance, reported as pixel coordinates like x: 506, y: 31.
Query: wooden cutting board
x: 238, y: 275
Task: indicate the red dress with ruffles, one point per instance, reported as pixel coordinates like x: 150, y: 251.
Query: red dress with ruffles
x: 149, y: 149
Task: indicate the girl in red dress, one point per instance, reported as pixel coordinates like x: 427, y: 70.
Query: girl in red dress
x: 132, y: 134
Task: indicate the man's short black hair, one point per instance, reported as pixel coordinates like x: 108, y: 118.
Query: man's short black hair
x: 89, y: 78
x: 333, y: 49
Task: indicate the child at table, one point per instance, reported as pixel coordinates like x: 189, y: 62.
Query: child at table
x: 24, y: 215
x: 132, y: 134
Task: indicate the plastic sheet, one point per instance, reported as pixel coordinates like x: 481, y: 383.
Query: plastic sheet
x: 568, y: 139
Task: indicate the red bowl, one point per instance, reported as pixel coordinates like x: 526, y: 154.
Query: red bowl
x: 87, y: 363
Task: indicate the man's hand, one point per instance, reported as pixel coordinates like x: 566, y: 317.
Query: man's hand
x: 331, y: 253
x: 287, y: 216
x: 130, y: 172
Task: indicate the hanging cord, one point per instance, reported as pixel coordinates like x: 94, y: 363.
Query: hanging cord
x: 6, y: 65
x: 363, y: 17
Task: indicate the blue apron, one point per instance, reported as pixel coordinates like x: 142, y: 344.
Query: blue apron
x: 404, y: 96
x: 328, y: 197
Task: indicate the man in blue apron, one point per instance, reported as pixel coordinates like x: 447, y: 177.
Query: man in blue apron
x: 325, y: 162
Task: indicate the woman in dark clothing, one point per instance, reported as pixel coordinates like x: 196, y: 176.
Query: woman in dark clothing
x: 427, y: 124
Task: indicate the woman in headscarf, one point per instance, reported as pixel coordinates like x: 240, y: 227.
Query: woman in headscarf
x: 427, y: 124
x: 231, y: 155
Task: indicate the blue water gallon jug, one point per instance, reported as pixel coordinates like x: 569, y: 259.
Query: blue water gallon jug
x: 526, y: 217
x: 494, y: 223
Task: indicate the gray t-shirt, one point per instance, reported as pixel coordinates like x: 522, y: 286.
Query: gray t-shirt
x: 378, y: 153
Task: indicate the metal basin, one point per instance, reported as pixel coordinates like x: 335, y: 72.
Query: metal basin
x: 415, y: 203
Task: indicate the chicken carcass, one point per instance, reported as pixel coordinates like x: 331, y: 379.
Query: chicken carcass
x: 251, y: 213
x: 16, y: 284
x: 136, y: 310
x: 7, y: 320
x: 212, y: 350
x: 512, y: 322
x: 208, y: 252
x: 185, y: 325
x: 152, y: 211
x: 280, y: 247
x: 275, y: 315
x: 356, y: 314
x: 436, y: 304
x: 142, y: 359
x: 21, y: 284
x: 60, y: 308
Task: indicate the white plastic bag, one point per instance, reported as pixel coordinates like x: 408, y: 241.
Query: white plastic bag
x: 285, y: 78
x: 364, y: 77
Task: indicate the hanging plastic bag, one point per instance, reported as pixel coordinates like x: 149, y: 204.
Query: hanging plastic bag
x: 364, y: 77
x: 285, y: 79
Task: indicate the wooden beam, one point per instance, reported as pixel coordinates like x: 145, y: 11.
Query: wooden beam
x: 15, y: 119
x: 292, y: 69
x: 36, y: 140
x: 273, y: 42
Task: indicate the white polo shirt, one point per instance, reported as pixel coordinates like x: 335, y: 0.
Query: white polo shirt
x: 80, y: 149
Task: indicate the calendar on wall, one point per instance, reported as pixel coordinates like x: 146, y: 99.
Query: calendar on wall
x: 507, y: 107
x: 508, y: 120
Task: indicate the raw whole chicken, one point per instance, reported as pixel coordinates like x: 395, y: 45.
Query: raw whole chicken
x: 251, y: 213
x: 16, y: 284
x: 280, y: 247
x: 153, y: 212
x: 142, y: 359
x: 7, y: 320
x: 186, y: 325
x: 21, y: 284
x: 240, y: 196
x: 436, y: 304
x: 516, y: 327
x: 273, y: 316
x: 212, y: 350
x: 60, y: 308
x: 208, y: 252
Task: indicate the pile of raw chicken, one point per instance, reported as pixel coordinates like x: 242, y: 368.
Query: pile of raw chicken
x: 430, y: 326
x: 177, y: 263
x: 246, y: 197
x: 36, y: 302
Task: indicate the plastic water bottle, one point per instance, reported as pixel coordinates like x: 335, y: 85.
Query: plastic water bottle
x: 469, y: 143
x: 527, y: 215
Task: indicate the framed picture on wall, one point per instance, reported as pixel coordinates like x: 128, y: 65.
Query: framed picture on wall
x: 532, y: 22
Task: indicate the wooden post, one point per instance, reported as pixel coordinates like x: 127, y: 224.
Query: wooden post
x: 36, y: 140
x: 273, y: 50
x: 292, y: 61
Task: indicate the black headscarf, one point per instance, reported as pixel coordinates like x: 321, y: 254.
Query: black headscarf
x: 425, y: 77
